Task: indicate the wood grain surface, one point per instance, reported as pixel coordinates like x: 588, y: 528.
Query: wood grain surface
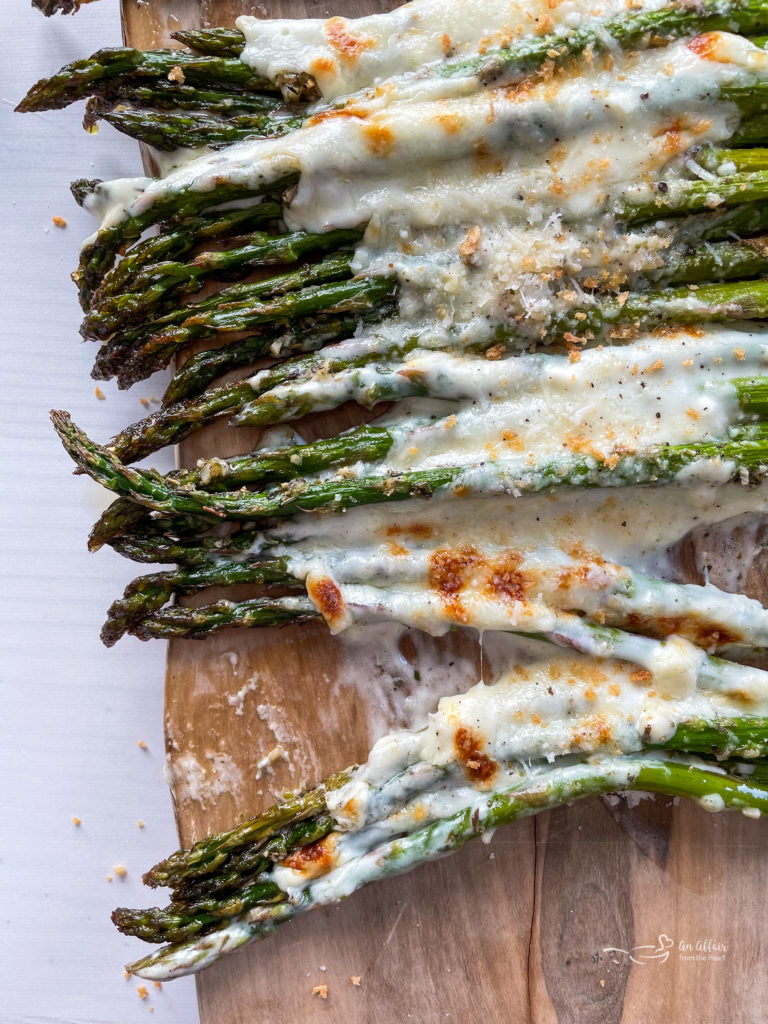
x: 507, y: 933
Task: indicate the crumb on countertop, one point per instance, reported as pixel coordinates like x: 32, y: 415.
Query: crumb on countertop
x: 140, y: 823
x: 320, y: 990
x: 109, y: 878
x: 99, y: 393
x: 120, y: 870
x: 157, y: 984
x: 59, y: 222
x: 142, y: 744
x: 75, y: 820
x: 141, y: 991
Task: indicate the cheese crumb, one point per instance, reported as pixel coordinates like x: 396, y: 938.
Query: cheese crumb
x: 176, y: 75
x: 141, y: 991
x: 140, y: 823
x: 142, y: 744
x: 109, y: 878
x: 120, y: 870
x: 75, y: 820
x: 99, y: 393
x: 740, y: 354
x: 355, y: 979
x: 320, y: 990
x: 157, y: 984
x: 59, y: 222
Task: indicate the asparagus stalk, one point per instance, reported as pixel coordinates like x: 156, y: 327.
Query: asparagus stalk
x: 170, y: 131
x: 155, y: 548
x: 150, y: 593
x: 101, y: 72
x: 155, y: 283
x: 358, y: 295
x: 172, y: 96
x: 179, y: 621
x: 629, y: 31
x: 301, y: 336
x: 196, y: 231
x: 228, y: 41
x: 641, y: 203
x: 744, y: 454
x: 753, y: 131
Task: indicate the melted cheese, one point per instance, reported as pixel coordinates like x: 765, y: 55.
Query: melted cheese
x: 344, y: 55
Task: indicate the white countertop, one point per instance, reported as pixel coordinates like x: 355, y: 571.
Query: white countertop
x: 73, y: 711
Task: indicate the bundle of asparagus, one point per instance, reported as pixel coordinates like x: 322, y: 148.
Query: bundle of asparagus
x: 546, y: 254
x: 479, y: 763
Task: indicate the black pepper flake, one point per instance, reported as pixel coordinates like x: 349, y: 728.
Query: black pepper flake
x: 644, y: 95
x: 663, y: 187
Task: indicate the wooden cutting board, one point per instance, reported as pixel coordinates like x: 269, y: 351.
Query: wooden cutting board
x: 506, y: 933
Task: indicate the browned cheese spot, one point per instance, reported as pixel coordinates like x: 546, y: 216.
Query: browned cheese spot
x: 450, y: 569
x: 327, y: 596
x: 347, y: 46
x: 477, y: 765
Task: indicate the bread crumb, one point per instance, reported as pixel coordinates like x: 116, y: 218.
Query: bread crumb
x: 470, y: 245
x: 602, y: 983
x: 59, y: 222
x: 141, y: 991
x: 99, y: 393
x: 355, y: 979
x: 320, y: 990
x: 176, y: 75
x: 120, y: 870
x: 740, y: 354
x: 76, y: 820
x: 140, y: 823
x: 142, y: 744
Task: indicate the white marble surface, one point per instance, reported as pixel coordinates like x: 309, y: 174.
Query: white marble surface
x: 72, y: 710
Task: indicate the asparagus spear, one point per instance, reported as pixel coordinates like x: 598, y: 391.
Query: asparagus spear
x: 300, y: 336
x: 155, y: 283
x: 629, y: 31
x: 150, y: 593
x: 744, y: 454
x: 172, y: 96
x: 227, y: 41
x: 157, y: 547
x: 170, y: 131
x: 185, y: 237
x: 106, y: 68
x: 358, y: 295
x: 641, y: 203
x: 753, y: 131
x: 178, y: 620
